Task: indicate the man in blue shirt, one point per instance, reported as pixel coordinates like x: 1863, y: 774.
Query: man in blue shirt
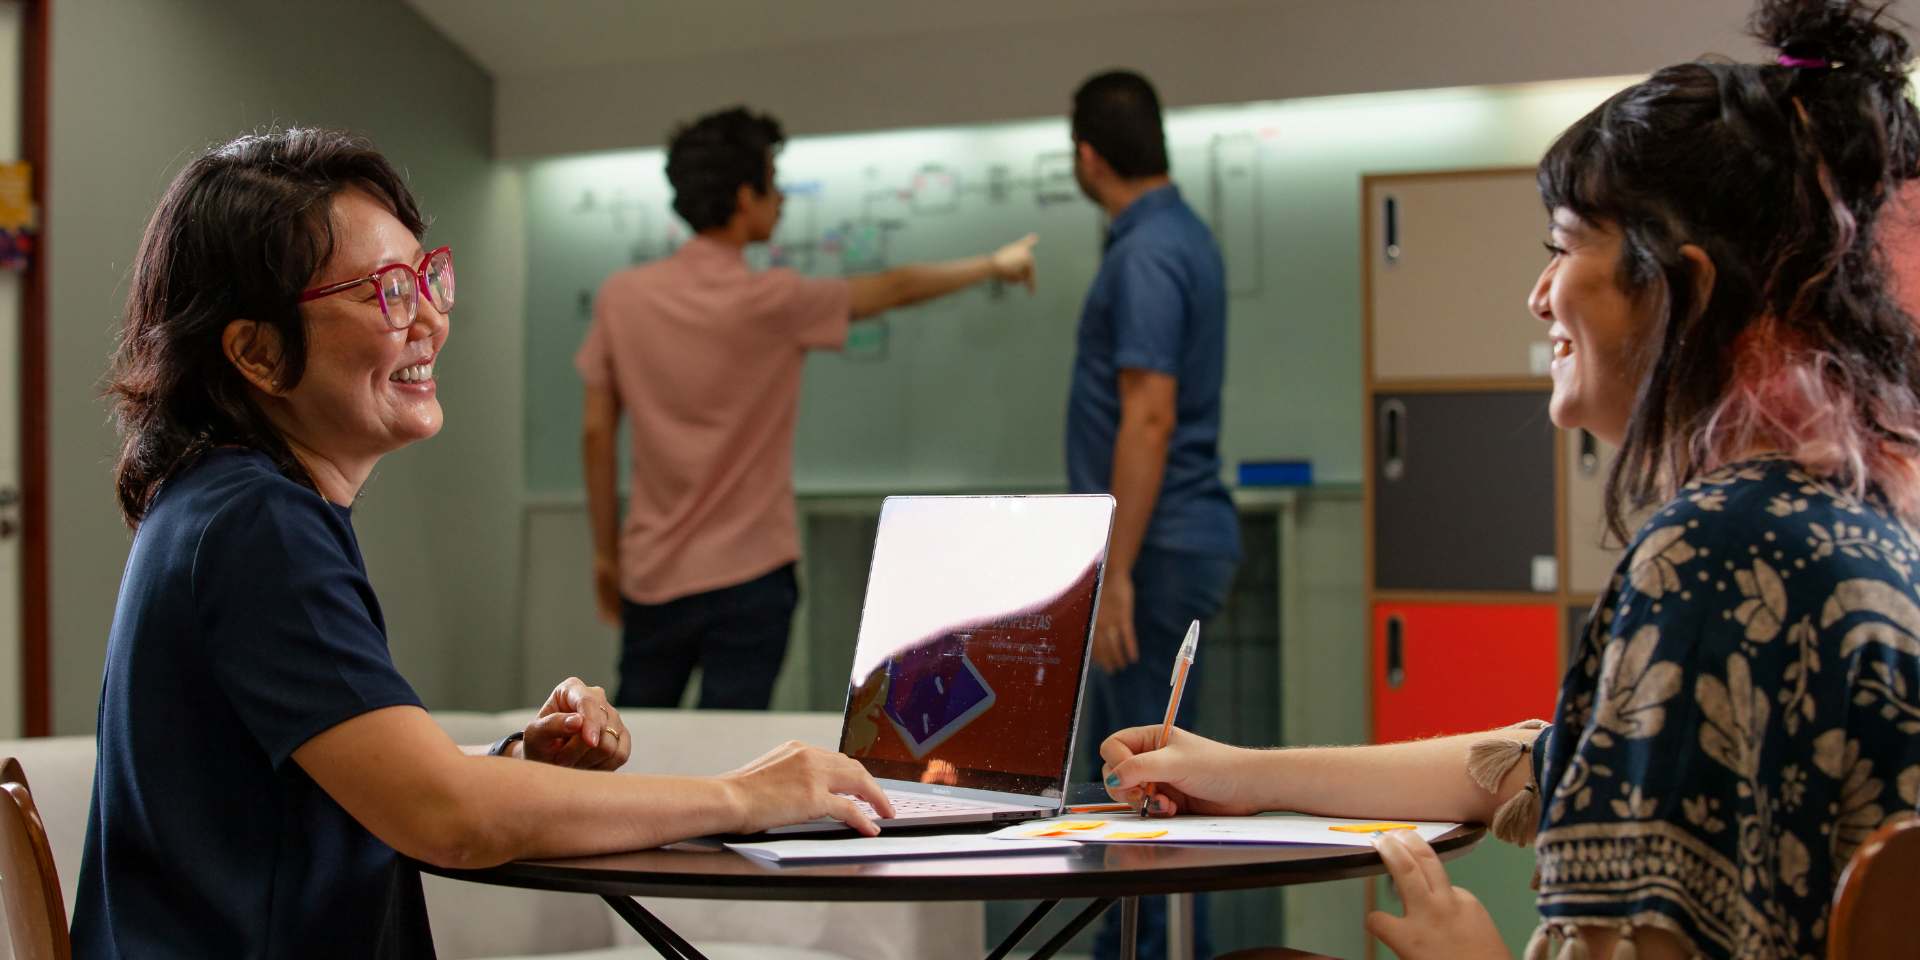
x: 1143, y: 423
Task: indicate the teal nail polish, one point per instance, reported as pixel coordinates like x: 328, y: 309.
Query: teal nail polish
x: 1113, y: 779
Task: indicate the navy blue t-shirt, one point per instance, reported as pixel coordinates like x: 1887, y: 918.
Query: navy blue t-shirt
x: 1158, y: 303
x: 245, y: 626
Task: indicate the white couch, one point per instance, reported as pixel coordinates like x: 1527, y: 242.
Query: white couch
x: 474, y: 920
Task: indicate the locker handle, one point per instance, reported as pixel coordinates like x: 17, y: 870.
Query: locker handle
x: 1396, y: 653
x: 1393, y: 439
x: 1392, y: 217
x: 1589, y: 455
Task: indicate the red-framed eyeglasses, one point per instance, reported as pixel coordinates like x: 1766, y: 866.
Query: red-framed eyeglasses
x: 400, y: 287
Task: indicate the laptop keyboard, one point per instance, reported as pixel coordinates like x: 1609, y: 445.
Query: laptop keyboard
x: 915, y: 806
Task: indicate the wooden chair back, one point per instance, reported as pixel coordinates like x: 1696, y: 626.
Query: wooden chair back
x: 29, y: 885
x: 1873, y: 904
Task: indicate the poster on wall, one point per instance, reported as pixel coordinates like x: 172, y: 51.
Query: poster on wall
x: 18, y: 220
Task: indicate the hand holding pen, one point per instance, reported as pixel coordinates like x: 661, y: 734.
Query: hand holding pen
x: 1191, y: 774
x: 1182, y: 663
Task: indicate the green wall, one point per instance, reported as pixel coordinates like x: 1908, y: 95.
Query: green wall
x: 138, y: 88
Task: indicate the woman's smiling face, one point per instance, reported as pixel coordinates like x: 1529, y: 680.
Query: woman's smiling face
x: 368, y: 389
x: 1597, y: 328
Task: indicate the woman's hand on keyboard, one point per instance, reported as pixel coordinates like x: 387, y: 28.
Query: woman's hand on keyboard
x: 794, y: 783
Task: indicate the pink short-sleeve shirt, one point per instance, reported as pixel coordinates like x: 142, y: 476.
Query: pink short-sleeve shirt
x: 706, y: 356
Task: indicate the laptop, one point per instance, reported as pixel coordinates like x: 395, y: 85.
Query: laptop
x: 964, y: 695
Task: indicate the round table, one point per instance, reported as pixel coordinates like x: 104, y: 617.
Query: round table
x: 1109, y: 872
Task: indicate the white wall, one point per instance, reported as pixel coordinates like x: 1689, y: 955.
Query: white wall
x: 138, y: 87
x: 1275, y: 50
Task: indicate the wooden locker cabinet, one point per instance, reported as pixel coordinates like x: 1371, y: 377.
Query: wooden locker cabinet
x: 1443, y: 668
x: 1451, y: 261
x: 1463, y: 491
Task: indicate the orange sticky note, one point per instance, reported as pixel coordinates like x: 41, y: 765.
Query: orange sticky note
x: 1372, y: 827
x: 1135, y: 835
x: 1081, y: 825
x: 1048, y: 832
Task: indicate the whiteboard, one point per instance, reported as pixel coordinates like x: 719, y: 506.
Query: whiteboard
x: 969, y: 392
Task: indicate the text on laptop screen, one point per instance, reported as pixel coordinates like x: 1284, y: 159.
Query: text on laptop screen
x: 973, y: 639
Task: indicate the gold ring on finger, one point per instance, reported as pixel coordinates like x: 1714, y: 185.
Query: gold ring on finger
x: 611, y: 732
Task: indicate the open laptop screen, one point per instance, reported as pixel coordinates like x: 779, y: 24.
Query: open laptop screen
x: 973, y: 640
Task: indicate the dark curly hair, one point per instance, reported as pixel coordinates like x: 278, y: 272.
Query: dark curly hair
x: 1779, y: 172
x: 239, y: 234
x: 709, y: 160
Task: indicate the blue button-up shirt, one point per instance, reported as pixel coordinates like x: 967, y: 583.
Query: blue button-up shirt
x: 1158, y: 303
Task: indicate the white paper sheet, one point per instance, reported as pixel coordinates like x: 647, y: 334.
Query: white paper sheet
x: 1287, y: 828
x: 887, y: 848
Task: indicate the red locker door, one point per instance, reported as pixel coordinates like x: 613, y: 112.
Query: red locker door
x: 1442, y: 669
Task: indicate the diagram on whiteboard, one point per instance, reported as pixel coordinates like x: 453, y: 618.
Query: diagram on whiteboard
x: 839, y: 225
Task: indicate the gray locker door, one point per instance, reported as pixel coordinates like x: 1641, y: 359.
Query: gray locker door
x: 1463, y: 492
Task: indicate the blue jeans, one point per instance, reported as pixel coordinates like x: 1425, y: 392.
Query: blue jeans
x: 1170, y: 590
x: 737, y: 636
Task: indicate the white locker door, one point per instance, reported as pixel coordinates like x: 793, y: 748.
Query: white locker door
x: 1591, y: 554
x: 1451, y: 259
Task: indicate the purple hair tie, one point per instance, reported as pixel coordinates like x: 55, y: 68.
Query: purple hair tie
x: 1805, y: 63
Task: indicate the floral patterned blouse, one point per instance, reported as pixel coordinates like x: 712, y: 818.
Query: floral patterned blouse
x: 1739, y: 717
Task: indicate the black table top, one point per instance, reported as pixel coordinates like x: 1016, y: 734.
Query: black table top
x: 1091, y: 870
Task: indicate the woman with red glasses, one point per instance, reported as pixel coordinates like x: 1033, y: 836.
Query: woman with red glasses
x: 262, y: 765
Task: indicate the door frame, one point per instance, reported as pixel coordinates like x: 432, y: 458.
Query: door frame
x: 35, y: 537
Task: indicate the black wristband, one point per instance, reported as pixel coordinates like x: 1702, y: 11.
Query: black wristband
x: 500, y: 746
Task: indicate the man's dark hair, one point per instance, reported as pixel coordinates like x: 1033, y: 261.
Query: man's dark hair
x: 708, y: 160
x: 1118, y: 115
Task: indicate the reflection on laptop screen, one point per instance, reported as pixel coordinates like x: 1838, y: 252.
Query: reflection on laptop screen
x: 973, y: 639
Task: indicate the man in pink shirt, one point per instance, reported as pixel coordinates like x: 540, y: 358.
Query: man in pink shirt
x: 704, y: 356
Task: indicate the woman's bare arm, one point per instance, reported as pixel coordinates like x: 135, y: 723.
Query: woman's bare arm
x: 1417, y: 780
x: 397, y: 773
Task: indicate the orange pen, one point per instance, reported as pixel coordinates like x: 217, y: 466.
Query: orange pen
x: 1182, y: 662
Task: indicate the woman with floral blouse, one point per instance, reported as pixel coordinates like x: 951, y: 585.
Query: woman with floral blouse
x: 1741, y: 712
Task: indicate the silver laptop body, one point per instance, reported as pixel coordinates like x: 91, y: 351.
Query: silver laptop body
x: 964, y: 697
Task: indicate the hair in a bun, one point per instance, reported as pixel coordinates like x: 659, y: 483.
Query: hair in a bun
x: 1864, y: 82
x: 1843, y: 32
x: 1779, y: 171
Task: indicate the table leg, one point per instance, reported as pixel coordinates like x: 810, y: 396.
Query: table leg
x: 1072, y: 929
x: 658, y: 935
x: 1020, y: 932
x: 1129, y: 927
x: 1180, y: 926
